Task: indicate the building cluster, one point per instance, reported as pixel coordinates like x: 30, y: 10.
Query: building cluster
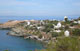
x: 39, y: 25
x: 45, y: 30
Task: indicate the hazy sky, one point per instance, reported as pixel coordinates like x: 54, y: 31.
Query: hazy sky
x: 39, y: 7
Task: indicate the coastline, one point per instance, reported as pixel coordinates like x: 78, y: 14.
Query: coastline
x: 44, y: 31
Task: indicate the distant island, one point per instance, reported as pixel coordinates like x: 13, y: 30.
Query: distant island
x: 56, y: 35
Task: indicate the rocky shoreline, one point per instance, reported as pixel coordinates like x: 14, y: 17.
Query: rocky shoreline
x: 45, y: 31
x: 14, y: 31
x: 41, y: 30
x: 22, y: 33
x: 9, y: 24
x: 18, y: 30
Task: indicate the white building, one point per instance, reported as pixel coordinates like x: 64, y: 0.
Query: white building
x: 78, y: 21
x: 65, y: 17
x: 58, y: 25
x: 28, y: 23
x: 39, y: 28
x: 67, y: 33
x: 42, y: 22
x: 75, y: 21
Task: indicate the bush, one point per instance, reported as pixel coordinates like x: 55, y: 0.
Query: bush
x: 66, y: 27
x: 40, y: 36
x: 55, y: 22
x: 64, y: 44
x: 48, y: 28
x: 76, y: 32
x: 68, y: 22
x: 68, y: 44
x: 55, y: 34
x: 72, y: 24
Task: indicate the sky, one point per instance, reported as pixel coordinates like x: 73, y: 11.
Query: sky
x: 39, y: 7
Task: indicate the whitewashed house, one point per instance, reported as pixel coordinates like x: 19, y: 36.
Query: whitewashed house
x: 58, y: 25
x: 75, y: 22
x: 42, y: 22
x: 39, y: 28
x: 28, y: 23
x: 66, y: 33
x: 78, y: 21
x: 65, y: 18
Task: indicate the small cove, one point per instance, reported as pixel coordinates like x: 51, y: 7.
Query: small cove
x: 17, y: 43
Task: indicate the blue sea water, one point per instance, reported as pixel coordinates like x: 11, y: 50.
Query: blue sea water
x: 7, y: 18
x: 18, y: 43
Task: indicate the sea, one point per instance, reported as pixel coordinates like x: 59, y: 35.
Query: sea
x: 13, y: 43
x: 7, y: 18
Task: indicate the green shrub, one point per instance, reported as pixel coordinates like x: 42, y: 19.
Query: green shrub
x: 76, y: 32
x: 55, y: 34
x: 64, y: 44
x: 47, y: 29
x: 72, y: 24
x: 68, y: 44
x: 66, y: 27
x: 40, y: 36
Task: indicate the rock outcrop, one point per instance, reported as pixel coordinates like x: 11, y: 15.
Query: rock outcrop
x: 17, y: 32
x: 9, y: 24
